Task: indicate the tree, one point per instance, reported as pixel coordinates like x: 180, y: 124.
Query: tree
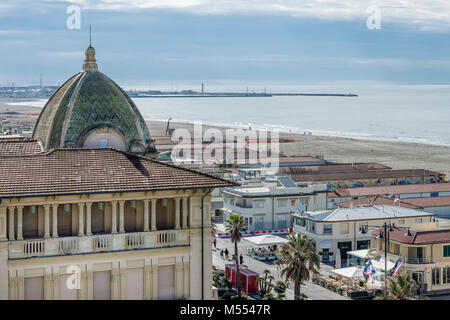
x: 299, y: 259
x: 280, y: 288
x: 265, y: 283
x: 235, y: 226
x: 401, y: 287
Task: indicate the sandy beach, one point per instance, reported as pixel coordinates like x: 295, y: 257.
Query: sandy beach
x: 398, y: 155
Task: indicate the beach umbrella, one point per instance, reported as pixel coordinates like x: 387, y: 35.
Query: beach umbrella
x: 337, y: 258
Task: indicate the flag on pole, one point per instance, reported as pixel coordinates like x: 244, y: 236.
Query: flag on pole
x: 369, y: 270
x: 396, y: 268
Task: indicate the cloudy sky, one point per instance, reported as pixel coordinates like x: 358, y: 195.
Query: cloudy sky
x: 147, y: 43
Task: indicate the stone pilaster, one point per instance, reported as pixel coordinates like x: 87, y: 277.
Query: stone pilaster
x: 55, y: 221
x: 11, y: 234
x: 113, y: 216
x: 146, y: 215
x: 19, y: 222
x: 47, y: 221
x: 81, y: 219
x: 153, y: 215
x: 121, y: 216
x: 177, y: 213
x: 185, y: 210
x: 88, y: 218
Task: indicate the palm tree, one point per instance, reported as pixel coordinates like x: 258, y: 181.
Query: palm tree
x: 402, y: 286
x: 235, y: 226
x: 299, y: 259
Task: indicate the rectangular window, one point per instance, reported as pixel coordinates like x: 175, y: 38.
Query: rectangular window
x: 133, y: 204
x: 281, y: 222
x: 258, y: 204
x: 300, y: 222
x: 327, y: 229
x: 101, y: 206
x: 282, y: 203
x: 446, y: 274
x: 344, y: 228
x: 67, y: 207
x: 33, y: 209
x: 446, y: 251
x: 259, y: 223
x: 436, y: 276
x: 312, y: 227
x: 164, y: 202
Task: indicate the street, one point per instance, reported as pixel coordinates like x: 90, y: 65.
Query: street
x: 311, y: 290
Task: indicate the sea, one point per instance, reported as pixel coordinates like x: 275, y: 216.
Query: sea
x: 409, y: 113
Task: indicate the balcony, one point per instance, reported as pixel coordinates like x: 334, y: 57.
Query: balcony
x: 98, y: 243
x: 407, y: 260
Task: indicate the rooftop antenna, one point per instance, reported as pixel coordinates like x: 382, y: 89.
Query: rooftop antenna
x: 90, y: 37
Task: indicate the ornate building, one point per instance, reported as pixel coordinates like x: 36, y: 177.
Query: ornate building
x: 88, y: 221
x: 90, y: 111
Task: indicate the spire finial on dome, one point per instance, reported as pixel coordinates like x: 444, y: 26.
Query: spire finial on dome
x: 90, y: 63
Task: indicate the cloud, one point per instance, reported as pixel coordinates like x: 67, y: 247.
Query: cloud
x: 424, y: 15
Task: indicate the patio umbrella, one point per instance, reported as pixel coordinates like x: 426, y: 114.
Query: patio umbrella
x: 337, y: 259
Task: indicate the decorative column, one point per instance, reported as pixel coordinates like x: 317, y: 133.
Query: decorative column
x: 186, y: 277
x: 154, y: 280
x: 146, y: 215
x: 88, y: 218
x: 185, y: 212
x: 55, y: 220
x: 121, y: 216
x: 19, y: 222
x: 3, y: 228
x: 113, y: 216
x: 178, y: 278
x: 11, y: 223
x: 147, y: 279
x: 153, y: 214
x: 81, y: 219
x: 47, y: 221
x: 177, y: 213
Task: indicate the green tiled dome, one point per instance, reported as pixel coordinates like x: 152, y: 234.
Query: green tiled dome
x: 86, y: 102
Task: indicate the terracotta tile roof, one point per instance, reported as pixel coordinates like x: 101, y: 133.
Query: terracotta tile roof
x: 418, y: 237
x: 377, y: 200
x: 77, y: 171
x: 389, y: 190
x: 429, y: 201
x: 342, y: 167
x: 19, y: 148
x: 374, y: 174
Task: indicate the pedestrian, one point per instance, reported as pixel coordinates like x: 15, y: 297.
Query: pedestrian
x: 226, y: 253
x: 221, y: 253
x: 215, y: 243
x: 241, y: 259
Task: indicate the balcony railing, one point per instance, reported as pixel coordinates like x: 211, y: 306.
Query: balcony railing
x: 407, y: 260
x: 98, y: 243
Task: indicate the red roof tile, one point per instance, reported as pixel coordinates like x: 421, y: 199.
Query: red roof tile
x: 390, y: 190
x: 376, y: 200
x: 77, y: 171
x: 19, y: 148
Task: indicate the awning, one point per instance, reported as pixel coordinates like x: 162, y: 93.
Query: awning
x: 324, y: 244
x: 350, y: 272
x: 379, y: 264
x: 266, y: 240
x: 363, y: 254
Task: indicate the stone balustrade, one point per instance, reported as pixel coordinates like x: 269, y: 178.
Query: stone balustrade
x: 98, y: 243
